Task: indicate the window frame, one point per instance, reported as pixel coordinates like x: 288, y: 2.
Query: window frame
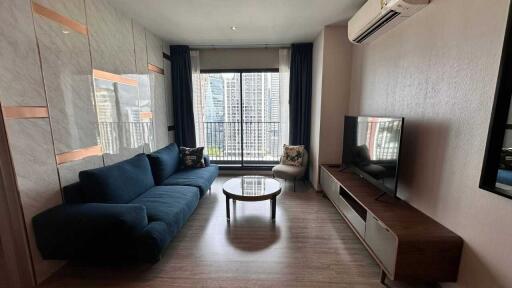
x: 266, y: 165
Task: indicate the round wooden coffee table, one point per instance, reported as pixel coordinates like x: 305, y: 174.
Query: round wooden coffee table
x: 252, y: 188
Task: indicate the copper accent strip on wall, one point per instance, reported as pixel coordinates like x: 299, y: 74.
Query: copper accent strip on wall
x: 155, y: 69
x: 24, y: 112
x: 78, y: 154
x: 62, y: 20
x: 113, y: 77
x: 146, y: 115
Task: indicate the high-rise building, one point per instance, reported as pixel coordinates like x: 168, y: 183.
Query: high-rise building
x: 225, y: 111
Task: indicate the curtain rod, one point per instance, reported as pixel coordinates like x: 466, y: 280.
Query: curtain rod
x: 240, y: 46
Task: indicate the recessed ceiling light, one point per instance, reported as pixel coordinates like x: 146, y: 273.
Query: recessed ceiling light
x: 234, y: 28
x: 65, y: 31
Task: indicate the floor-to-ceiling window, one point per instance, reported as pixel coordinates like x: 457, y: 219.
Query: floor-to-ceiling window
x: 239, y: 116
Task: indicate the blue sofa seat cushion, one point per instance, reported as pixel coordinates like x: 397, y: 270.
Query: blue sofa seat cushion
x: 89, y: 231
x: 119, y: 183
x: 201, y: 178
x: 171, y: 205
x: 164, y: 162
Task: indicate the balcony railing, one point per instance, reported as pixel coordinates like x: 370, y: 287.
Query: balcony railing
x: 258, y: 142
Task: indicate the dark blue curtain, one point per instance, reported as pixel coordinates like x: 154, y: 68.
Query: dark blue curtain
x: 301, y: 74
x: 181, y: 76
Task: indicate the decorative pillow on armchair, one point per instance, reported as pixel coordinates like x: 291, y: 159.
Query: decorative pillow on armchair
x: 192, y: 157
x: 293, y: 155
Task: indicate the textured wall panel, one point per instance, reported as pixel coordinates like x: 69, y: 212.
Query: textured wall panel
x: 38, y: 182
x: 68, y: 172
x: 21, y: 83
x: 111, y: 37
x: 141, y: 52
x: 160, y: 110
x: 67, y: 70
x: 124, y: 154
x: 155, y: 49
x: 439, y: 70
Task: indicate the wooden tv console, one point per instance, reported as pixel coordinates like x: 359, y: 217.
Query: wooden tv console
x: 407, y: 244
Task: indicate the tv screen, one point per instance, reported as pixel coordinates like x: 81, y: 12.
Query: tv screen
x: 371, y: 148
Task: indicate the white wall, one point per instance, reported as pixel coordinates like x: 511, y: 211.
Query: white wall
x: 332, y: 59
x: 335, y: 92
x: 439, y: 71
x: 316, y: 105
x: 243, y: 58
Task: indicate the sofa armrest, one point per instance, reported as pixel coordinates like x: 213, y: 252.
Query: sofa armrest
x: 152, y: 241
x: 90, y: 230
x: 206, y: 160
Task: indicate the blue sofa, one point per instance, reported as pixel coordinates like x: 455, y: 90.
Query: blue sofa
x: 129, y: 210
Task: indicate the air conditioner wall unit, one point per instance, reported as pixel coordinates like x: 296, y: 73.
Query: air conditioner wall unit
x: 379, y: 16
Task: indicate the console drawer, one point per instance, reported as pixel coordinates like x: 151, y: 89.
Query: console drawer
x: 352, y: 216
x: 382, y: 242
x: 330, y: 186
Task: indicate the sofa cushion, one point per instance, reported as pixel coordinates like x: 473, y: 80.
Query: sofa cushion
x: 201, y: 178
x: 89, y: 230
x: 172, y: 205
x: 192, y: 157
x: 164, y: 162
x: 118, y: 183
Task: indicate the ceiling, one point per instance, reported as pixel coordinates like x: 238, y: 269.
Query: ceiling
x: 257, y: 22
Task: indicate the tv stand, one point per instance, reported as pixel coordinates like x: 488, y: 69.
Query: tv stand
x: 380, y: 195
x: 407, y: 244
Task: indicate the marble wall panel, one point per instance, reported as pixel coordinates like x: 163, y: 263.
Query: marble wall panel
x: 67, y: 74
x: 38, y: 182
x: 159, y: 110
x: 68, y: 172
x: 168, y: 92
x: 74, y: 9
x: 155, y: 49
x: 123, y: 154
x: 145, y: 103
x: 111, y: 38
x: 168, y: 96
x: 141, y: 53
x: 21, y: 82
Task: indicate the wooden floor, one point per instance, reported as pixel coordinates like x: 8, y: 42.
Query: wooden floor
x: 3, y: 274
x: 309, y: 245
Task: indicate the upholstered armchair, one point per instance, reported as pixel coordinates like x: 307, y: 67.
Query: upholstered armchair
x: 289, y: 172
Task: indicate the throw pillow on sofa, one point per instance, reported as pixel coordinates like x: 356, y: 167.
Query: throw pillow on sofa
x: 192, y: 157
x: 293, y: 155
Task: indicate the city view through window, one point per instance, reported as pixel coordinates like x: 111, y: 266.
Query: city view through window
x: 238, y: 117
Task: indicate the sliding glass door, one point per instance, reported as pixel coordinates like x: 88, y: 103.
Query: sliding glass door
x: 238, y: 117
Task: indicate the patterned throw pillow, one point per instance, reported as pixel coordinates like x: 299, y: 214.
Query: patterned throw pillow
x: 293, y: 155
x: 192, y: 157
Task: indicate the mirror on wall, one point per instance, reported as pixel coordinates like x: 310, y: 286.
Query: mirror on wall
x: 497, y: 167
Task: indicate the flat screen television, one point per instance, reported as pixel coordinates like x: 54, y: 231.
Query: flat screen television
x: 371, y: 148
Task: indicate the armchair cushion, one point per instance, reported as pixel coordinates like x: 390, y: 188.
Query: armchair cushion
x: 288, y: 172
x: 293, y: 155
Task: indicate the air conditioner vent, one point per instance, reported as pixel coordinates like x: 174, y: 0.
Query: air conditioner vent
x: 388, y: 17
x: 376, y: 17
